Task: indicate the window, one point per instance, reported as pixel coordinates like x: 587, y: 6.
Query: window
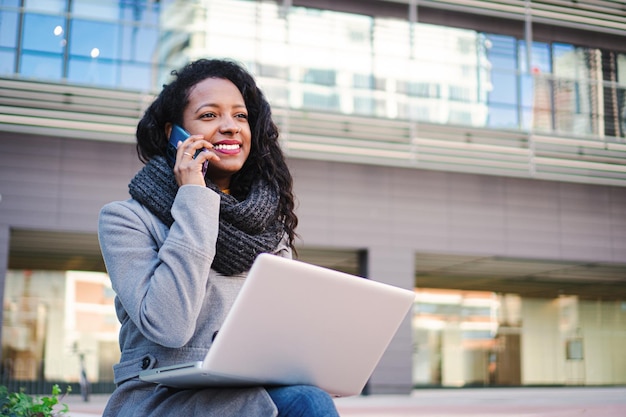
x: 100, y: 9
x: 94, y: 39
x: 365, y: 81
x: 85, y: 70
x: 44, y: 33
x: 135, y: 76
x: 138, y: 43
x: 321, y: 101
x: 459, y: 93
x: 8, y: 28
x: 41, y: 66
x: 419, y: 89
x: 7, y: 61
x: 48, y: 6
x: 320, y: 76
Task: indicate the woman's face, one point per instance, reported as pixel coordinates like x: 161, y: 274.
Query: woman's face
x: 217, y: 110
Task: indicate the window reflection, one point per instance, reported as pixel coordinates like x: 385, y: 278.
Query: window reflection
x: 145, y: 11
x: 138, y: 44
x: 98, y: 9
x: 135, y: 76
x: 44, y: 33
x: 7, y: 62
x: 87, y: 70
x: 540, y: 57
x: 503, y: 94
x: 87, y: 35
x: 8, y: 28
x: 469, y: 338
x: 49, y: 317
x: 50, y: 6
x: 41, y: 66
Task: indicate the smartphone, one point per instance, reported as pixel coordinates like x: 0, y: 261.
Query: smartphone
x: 179, y: 134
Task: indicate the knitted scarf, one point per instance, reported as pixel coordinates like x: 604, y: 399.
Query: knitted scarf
x: 246, y: 228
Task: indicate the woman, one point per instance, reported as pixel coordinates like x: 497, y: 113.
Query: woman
x: 178, y: 251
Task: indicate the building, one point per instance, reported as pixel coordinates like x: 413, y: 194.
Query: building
x: 473, y: 150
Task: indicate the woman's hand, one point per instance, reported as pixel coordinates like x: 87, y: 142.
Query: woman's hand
x: 188, y: 170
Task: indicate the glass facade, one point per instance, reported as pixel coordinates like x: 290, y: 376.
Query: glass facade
x: 102, y: 43
x: 338, y: 63
x: 57, y: 324
x: 471, y: 338
x: 355, y: 64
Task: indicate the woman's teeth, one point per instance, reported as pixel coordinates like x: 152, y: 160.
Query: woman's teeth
x: 226, y: 147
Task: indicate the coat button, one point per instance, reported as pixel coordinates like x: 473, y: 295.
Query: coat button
x: 145, y: 362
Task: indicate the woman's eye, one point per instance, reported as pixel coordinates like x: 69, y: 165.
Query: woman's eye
x: 242, y: 116
x: 208, y: 115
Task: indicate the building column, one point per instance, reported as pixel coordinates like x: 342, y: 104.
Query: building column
x: 4, y: 266
x: 393, y: 375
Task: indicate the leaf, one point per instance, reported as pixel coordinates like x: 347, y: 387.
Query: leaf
x: 19, y: 404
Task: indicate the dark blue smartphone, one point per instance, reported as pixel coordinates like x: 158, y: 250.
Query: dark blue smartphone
x: 179, y: 134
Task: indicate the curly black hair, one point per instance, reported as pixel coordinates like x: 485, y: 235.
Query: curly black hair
x: 266, y: 159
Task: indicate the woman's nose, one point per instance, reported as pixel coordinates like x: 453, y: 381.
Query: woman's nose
x: 230, y: 126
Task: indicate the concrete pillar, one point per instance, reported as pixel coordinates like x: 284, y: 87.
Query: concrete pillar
x: 393, y: 375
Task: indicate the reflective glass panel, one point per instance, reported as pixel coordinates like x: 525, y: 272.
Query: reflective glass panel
x: 502, y: 116
x: 577, y: 90
x: 41, y: 66
x: 50, y: 6
x: 44, y: 33
x: 621, y: 69
x: 94, y: 39
x: 527, y: 96
x: 8, y: 28
x: 140, y: 11
x: 565, y: 59
x: 139, y: 43
x: 504, y: 87
x: 501, y: 339
x: 57, y: 324
x: 135, y: 77
x: 501, y: 52
x: 92, y: 71
x: 541, y: 61
x: 621, y: 92
x: 502, y: 95
x: 99, y: 9
x: 7, y: 61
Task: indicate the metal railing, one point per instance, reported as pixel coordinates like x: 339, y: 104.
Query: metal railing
x: 37, y: 384
x: 111, y: 115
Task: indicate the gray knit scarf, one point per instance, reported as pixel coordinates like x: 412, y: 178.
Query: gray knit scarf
x: 247, y: 228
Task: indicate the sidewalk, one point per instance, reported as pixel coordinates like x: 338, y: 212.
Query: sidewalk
x: 471, y: 402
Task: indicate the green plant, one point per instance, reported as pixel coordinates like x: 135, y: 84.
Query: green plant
x: 19, y: 404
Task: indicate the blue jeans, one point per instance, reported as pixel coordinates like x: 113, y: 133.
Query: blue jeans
x: 302, y: 401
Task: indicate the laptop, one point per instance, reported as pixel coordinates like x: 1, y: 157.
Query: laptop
x: 297, y: 323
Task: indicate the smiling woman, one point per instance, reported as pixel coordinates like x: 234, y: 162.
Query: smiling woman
x: 179, y: 250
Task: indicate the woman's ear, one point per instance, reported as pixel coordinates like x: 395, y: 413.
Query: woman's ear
x: 168, y: 129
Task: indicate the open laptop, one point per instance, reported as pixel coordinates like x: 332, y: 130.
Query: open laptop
x: 297, y: 323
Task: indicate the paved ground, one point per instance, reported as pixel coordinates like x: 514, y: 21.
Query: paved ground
x: 470, y: 402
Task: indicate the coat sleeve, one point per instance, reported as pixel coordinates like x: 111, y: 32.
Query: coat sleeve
x: 161, y: 285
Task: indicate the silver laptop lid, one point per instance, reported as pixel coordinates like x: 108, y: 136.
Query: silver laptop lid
x: 296, y: 323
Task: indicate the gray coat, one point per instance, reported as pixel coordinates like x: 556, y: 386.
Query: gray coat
x: 170, y: 303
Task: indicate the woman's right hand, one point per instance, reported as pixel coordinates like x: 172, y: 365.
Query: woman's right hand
x: 188, y: 170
